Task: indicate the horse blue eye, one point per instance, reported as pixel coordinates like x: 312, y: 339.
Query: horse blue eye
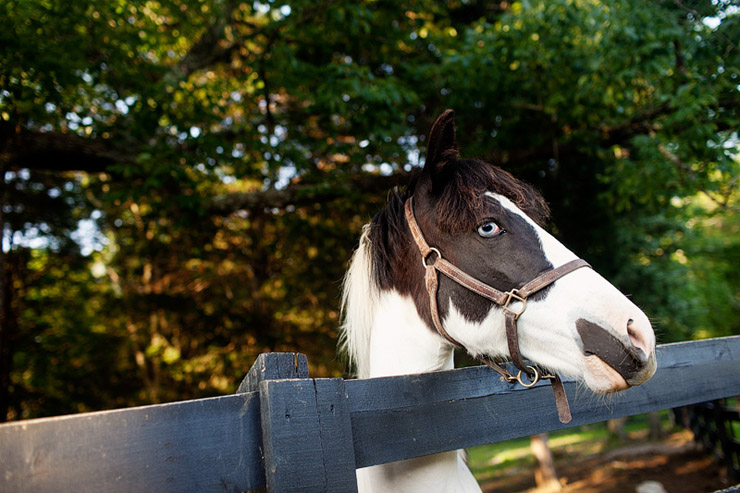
x: 489, y: 229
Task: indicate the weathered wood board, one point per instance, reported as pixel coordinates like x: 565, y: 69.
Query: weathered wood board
x: 199, y: 445
x: 399, y: 417
x: 204, y: 445
x: 317, y: 430
x: 307, y: 436
x: 274, y: 366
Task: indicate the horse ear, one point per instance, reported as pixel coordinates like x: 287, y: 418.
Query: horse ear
x: 442, y: 146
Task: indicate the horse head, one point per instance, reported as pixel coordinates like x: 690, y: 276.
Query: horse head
x: 488, y: 225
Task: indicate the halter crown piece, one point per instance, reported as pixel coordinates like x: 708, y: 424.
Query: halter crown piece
x: 433, y: 262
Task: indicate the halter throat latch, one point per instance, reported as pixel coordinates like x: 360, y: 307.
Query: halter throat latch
x: 434, y: 262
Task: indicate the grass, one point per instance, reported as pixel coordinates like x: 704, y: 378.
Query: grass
x: 513, y: 456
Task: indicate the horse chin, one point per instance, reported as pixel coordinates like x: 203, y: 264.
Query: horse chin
x: 602, y: 378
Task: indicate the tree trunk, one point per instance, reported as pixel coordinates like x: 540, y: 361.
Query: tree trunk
x: 12, y: 268
x: 5, y: 352
x: 656, y: 433
x: 544, y: 473
x: 616, y: 428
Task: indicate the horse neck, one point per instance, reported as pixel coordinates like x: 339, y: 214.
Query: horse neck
x: 383, y: 333
x: 385, y: 336
x: 401, y: 343
x: 438, y: 472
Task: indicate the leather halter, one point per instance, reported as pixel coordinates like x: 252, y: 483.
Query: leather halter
x: 433, y: 262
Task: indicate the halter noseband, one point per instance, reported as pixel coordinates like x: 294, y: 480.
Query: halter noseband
x: 433, y: 261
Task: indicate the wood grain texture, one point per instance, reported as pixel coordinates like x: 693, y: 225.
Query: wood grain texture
x: 307, y: 436
x: 203, y: 445
x: 317, y: 430
x: 395, y: 418
x: 274, y: 366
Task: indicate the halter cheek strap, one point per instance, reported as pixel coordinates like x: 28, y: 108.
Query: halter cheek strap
x: 433, y: 263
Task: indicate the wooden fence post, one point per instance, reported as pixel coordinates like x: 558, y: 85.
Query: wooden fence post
x: 307, y: 435
x: 274, y: 366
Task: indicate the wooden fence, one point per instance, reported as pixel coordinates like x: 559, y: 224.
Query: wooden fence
x: 716, y: 426
x: 289, y: 432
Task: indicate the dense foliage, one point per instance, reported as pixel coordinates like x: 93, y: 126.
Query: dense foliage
x: 184, y: 180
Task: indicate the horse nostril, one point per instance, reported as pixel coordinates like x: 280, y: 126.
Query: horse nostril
x: 636, y: 338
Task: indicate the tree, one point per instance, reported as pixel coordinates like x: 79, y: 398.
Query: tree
x: 228, y: 153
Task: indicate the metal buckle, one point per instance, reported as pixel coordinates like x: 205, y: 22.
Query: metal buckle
x: 429, y: 254
x: 530, y: 383
x: 514, y: 295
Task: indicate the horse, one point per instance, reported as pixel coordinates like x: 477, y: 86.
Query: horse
x: 460, y: 258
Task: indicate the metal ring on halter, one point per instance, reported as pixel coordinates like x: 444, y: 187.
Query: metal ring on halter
x: 532, y: 382
x: 429, y: 254
x: 514, y: 295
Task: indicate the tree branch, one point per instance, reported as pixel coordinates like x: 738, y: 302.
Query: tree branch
x: 700, y: 18
x: 56, y: 151
x: 210, y: 48
x: 723, y: 202
x: 608, y: 134
x: 300, y: 195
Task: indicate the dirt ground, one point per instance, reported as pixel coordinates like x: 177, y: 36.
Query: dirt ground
x: 675, y: 462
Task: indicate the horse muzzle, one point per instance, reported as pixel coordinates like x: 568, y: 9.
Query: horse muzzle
x: 631, y: 357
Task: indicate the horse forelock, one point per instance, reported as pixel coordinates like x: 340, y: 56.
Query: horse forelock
x: 465, y: 183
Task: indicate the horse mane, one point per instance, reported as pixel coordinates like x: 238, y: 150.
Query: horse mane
x: 372, y: 268
x: 360, y: 297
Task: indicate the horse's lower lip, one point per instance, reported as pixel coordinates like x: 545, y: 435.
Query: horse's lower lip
x: 636, y: 379
x: 610, y: 378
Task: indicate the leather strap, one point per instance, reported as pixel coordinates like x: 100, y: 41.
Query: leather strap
x: 549, y: 277
x: 561, y: 399
x: 470, y: 282
x: 512, y: 340
x: 433, y: 261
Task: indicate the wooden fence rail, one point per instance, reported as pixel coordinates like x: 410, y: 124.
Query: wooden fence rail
x: 289, y: 432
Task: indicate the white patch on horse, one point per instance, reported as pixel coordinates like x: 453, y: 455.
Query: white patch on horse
x: 555, y: 252
x: 382, y: 332
x: 398, y: 327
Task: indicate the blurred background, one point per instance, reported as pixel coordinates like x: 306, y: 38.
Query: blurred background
x: 184, y: 180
